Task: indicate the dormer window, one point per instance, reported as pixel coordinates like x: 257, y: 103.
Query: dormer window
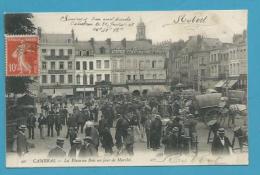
x: 102, y: 50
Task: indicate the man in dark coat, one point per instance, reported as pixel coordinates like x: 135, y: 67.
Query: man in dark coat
x: 80, y: 120
x: 108, y: 113
x: 58, y: 123
x: 31, y: 125
x: 58, y: 151
x: 156, y: 132
x: 50, y: 123
x: 221, y: 144
x: 129, y: 141
x: 88, y: 149
x: 22, y: 145
x: 92, y: 132
x: 122, y: 125
x: 72, y: 123
x: 75, y: 148
x: 147, y: 127
x: 107, y: 140
x: 73, y: 133
x: 41, y: 125
x: 171, y: 141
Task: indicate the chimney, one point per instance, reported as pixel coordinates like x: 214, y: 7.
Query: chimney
x: 123, y: 42
x: 72, y: 34
x: 39, y: 32
x: 92, y: 42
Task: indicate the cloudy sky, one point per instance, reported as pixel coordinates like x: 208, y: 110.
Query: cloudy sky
x: 160, y: 26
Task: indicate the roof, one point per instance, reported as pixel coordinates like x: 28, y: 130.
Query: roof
x: 56, y: 38
x: 199, y: 43
x: 139, y: 45
x: 83, y: 45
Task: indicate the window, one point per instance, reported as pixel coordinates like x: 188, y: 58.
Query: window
x: 61, y: 79
x: 106, y: 66
x: 98, y: 64
x: 53, y: 65
x: 141, y: 77
x: 85, y: 79
x: 61, y: 65
x: 153, y: 64
x: 70, y: 65
x: 61, y: 52
x: 84, y: 65
x: 69, y: 79
x: 78, y: 79
x: 44, y: 65
x: 69, y: 51
x: 99, y: 77
x: 87, y: 53
x: 134, y: 77
x: 128, y: 77
x: 44, y: 79
x: 115, y: 78
x: 43, y: 50
x: 107, y: 77
x: 53, y: 80
x: 52, y: 52
x: 91, y: 65
x: 102, y: 50
x: 91, y: 79
x: 77, y: 65
x: 154, y: 76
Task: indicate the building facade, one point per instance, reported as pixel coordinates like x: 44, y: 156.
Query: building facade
x: 57, y: 63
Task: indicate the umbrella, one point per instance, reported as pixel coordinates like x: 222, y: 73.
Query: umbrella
x: 179, y: 85
x: 211, y: 91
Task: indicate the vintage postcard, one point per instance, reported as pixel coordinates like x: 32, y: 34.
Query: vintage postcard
x: 147, y: 88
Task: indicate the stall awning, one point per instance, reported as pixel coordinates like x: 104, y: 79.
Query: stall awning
x: 58, y: 92
x: 220, y: 84
x: 87, y: 89
x: 231, y: 83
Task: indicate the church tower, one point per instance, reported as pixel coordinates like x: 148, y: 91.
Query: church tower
x: 140, y: 34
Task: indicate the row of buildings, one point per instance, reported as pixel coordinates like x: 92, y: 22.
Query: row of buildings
x: 72, y: 67
x: 204, y: 63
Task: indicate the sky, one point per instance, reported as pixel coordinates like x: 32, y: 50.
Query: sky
x: 160, y: 25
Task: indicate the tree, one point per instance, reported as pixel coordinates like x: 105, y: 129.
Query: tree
x: 18, y: 24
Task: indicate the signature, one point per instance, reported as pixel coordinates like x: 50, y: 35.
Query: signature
x: 183, y: 19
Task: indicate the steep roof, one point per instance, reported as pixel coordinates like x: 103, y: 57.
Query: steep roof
x: 139, y: 45
x: 56, y: 38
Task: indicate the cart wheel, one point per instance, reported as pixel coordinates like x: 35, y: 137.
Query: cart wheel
x: 213, y: 114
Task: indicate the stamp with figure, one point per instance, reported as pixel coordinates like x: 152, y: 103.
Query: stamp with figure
x: 22, y: 55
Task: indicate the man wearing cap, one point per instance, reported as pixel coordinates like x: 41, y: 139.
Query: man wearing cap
x: 58, y: 151
x: 88, y: 149
x: 75, y: 149
x: 31, y: 125
x: 221, y: 144
x: 22, y: 145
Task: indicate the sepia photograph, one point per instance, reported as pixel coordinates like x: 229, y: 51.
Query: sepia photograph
x: 126, y: 88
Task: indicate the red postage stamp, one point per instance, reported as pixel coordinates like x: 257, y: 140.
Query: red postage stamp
x: 22, y: 58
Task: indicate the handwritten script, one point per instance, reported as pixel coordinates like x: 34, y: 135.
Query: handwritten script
x: 100, y: 24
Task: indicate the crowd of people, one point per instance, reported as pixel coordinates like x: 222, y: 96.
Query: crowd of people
x: 162, y: 122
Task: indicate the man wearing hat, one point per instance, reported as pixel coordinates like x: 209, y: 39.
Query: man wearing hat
x: 171, y: 141
x: 22, y: 145
x: 31, y: 125
x: 88, y: 149
x: 92, y: 132
x: 75, y: 149
x: 155, y: 132
x: 221, y: 144
x: 58, y: 151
